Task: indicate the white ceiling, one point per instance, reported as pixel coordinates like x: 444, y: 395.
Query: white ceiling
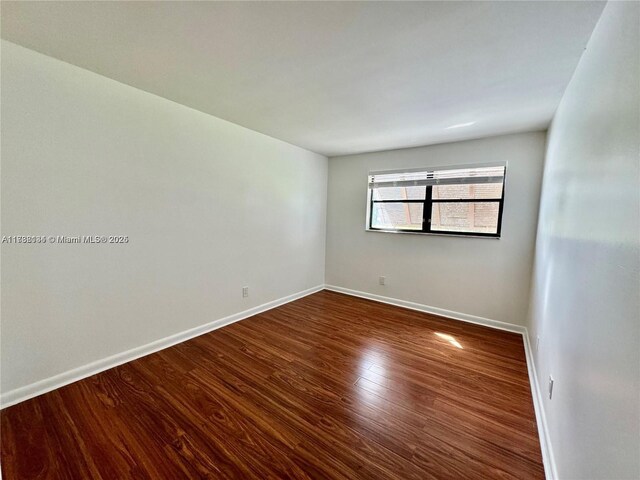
x: 332, y: 77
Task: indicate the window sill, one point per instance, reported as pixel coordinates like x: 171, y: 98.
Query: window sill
x: 442, y: 234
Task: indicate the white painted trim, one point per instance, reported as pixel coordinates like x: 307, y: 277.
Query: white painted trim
x: 541, y: 421
x: 543, y: 430
x: 43, y: 386
x: 465, y: 317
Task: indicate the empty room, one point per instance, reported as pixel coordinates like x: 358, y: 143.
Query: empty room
x: 320, y: 240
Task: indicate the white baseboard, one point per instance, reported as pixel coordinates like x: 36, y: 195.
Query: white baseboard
x: 43, y: 386
x: 465, y: 317
x: 541, y: 419
x: 543, y: 431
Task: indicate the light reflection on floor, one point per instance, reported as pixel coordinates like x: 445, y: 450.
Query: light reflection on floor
x: 371, y: 393
x: 449, y: 338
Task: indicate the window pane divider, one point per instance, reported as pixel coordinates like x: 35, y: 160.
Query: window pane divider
x: 465, y: 200
x: 443, y: 200
x: 398, y: 201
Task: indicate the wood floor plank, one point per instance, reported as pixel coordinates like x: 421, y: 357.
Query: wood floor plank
x: 328, y: 386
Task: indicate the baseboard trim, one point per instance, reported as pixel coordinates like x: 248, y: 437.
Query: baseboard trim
x: 43, y: 386
x: 541, y: 419
x: 464, y: 317
x: 536, y: 393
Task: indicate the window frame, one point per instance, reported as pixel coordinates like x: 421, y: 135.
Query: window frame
x: 429, y: 201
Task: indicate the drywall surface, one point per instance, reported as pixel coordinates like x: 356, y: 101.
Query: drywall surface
x: 208, y: 207
x: 585, y: 302
x: 476, y: 276
x: 334, y: 77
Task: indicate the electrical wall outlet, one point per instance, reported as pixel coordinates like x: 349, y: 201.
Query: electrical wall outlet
x: 381, y: 280
x: 550, y: 387
x: 245, y: 292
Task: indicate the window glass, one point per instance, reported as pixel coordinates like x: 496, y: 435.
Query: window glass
x: 397, y: 215
x: 469, y: 191
x: 473, y: 217
x: 399, y: 193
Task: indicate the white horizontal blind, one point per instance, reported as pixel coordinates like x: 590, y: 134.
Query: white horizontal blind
x: 438, y: 176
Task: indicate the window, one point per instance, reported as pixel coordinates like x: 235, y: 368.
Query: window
x: 466, y: 200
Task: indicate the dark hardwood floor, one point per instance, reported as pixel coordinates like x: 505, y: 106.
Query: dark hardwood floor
x: 329, y: 386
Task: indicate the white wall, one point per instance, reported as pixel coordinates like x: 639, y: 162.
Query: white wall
x: 208, y: 206
x: 585, y: 301
x: 474, y: 276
